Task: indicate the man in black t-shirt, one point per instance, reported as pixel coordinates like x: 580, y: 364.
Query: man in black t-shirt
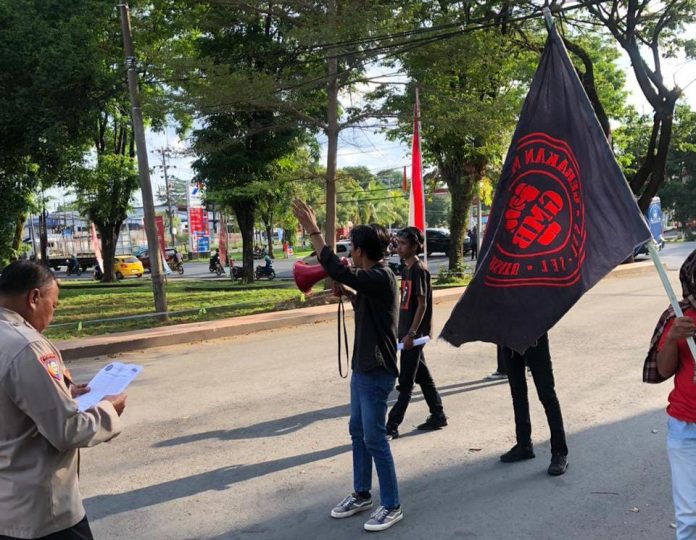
x: 415, y: 320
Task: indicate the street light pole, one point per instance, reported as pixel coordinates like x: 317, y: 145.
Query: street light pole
x: 158, y: 288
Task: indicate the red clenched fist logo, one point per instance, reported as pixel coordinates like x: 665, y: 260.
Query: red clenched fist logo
x: 542, y: 240
x: 530, y: 216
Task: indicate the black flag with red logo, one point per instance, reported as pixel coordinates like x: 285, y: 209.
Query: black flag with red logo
x: 563, y: 216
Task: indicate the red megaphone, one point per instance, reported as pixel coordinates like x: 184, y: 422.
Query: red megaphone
x: 308, y: 275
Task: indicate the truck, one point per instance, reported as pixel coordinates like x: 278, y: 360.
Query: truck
x: 60, y: 249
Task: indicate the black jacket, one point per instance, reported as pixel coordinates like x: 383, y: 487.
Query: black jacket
x: 376, y: 309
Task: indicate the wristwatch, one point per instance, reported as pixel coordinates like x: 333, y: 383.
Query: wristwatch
x: 411, y: 334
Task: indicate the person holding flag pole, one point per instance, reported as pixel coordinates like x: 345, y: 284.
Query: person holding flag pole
x: 672, y: 353
x: 563, y: 216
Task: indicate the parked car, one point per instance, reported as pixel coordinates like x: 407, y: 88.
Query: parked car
x: 127, y: 265
x: 438, y: 241
x: 144, y: 257
x: 342, y: 250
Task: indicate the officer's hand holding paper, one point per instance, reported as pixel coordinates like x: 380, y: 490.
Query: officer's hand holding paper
x: 110, y: 381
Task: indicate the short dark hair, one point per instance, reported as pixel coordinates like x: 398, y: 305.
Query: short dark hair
x: 372, y: 239
x: 413, y: 235
x: 23, y: 276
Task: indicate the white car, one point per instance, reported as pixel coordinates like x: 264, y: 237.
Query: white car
x: 342, y: 250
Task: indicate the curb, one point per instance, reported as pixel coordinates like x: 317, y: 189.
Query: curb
x: 73, y: 349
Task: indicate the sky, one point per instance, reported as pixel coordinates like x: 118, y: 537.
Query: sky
x: 371, y: 148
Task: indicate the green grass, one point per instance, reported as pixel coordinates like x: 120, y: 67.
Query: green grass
x: 80, y: 303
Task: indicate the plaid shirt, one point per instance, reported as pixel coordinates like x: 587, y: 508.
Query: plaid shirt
x: 650, y: 373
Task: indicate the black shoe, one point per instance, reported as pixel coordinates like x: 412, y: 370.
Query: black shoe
x: 434, y: 421
x: 392, y: 432
x: 559, y: 464
x: 518, y: 453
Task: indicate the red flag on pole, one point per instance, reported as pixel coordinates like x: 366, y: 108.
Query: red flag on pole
x: 416, y: 213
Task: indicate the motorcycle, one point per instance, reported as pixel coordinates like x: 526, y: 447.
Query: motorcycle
x: 178, y: 266
x: 236, y: 272
x: 74, y: 268
x: 265, y: 272
x: 216, y: 268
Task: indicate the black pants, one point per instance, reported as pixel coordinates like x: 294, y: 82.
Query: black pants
x: 414, y: 371
x: 502, y: 368
x: 79, y: 531
x: 538, y: 359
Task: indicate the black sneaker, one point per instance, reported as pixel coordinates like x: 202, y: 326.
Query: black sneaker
x: 559, y: 464
x: 392, y: 432
x: 518, y: 453
x: 434, y: 421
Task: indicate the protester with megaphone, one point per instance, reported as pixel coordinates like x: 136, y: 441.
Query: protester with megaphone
x: 374, y: 366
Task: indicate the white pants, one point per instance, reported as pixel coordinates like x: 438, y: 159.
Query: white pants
x: 681, y: 447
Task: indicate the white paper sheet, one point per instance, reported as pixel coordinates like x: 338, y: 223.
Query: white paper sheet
x: 111, y: 380
x: 420, y: 341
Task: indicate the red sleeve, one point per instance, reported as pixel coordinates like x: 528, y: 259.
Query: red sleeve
x: 663, y: 337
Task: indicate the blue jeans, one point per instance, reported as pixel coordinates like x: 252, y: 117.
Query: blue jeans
x: 367, y: 426
x: 681, y: 448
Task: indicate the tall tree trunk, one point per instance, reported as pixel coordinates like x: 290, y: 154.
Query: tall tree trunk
x: 459, y: 215
x: 109, y: 239
x: 332, y: 130
x: 245, y: 212
x: 658, y: 173
x: 269, y: 240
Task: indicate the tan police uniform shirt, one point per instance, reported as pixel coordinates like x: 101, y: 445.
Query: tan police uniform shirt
x: 40, y: 432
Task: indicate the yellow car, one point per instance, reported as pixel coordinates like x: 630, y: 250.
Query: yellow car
x: 127, y: 265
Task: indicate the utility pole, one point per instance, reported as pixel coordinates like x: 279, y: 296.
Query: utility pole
x: 156, y: 268
x: 164, y: 154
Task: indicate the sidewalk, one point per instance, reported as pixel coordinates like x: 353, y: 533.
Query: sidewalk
x: 76, y: 348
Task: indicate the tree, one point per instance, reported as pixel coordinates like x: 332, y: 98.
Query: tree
x: 49, y: 66
x: 470, y: 93
x: 652, y: 27
x: 679, y: 191
x: 104, y: 194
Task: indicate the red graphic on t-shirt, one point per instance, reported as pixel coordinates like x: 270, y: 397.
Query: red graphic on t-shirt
x: 406, y: 288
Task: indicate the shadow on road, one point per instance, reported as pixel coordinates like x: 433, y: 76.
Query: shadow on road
x: 290, y: 424
x: 217, y: 480
x: 617, y: 486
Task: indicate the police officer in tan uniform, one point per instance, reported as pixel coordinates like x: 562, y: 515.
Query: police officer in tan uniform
x: 41, y: 428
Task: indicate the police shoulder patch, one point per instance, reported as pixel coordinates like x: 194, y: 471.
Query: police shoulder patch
x: 50, y: 361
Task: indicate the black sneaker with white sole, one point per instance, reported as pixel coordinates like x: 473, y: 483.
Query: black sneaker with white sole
x: 392, y: 432
x: 383, y: 518
x: 350, y: 506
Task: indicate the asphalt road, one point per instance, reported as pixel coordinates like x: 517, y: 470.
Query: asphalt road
x: 246, y: 438
x: 672, y: 254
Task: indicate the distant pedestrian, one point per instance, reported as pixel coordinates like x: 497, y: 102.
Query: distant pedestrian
x: 669, y: 355
x: 474, y: 243
x: 538, y: 358
x: 415, y: 321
